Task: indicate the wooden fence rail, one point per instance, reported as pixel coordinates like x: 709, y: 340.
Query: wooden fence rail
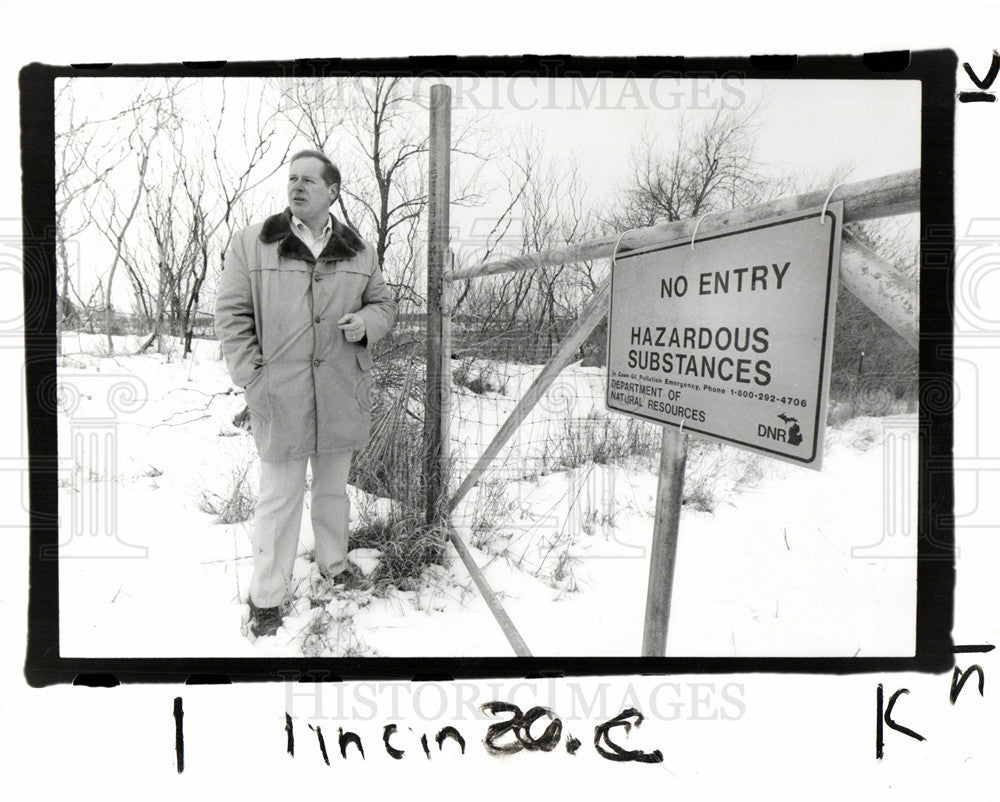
x: 886, y: 196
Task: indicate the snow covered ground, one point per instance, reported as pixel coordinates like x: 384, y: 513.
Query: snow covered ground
x: 787, y: 562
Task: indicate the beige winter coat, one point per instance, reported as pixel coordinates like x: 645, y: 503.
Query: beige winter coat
x: 307, y: 387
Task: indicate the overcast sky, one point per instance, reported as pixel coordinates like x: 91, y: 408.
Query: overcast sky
x: 807, y: 129
x: 806, y: 126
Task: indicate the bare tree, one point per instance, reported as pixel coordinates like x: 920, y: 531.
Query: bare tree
x: 147, y: 124
x: 315, y: 108
x: 80, y: 170
x: 161, y: 215
x: 707, y: 166
x: 218, y: 189
x: 166, y: 181
x: 376, y: 128
x: 195, y: 204
x: 546, y: 209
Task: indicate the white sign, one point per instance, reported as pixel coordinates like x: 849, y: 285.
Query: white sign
x: 731, y: 338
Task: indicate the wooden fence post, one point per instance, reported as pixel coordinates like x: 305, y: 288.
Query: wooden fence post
x: 438, y: 260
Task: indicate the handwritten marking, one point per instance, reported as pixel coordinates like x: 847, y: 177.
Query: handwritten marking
x: 614, y: 751
x: 450, y: 732
x: 889, y: 721
x: 958, y: 680
x: 387, y: 731
x: 983, y: 83
x: 179, y: 732
x: 322, y: 743
x: 347, y: 738
x: 991, y: 75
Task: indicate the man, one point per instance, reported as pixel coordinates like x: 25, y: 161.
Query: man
x: 300, y: 302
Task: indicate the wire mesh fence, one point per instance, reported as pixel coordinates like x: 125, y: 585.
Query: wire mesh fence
x: 572, y: 467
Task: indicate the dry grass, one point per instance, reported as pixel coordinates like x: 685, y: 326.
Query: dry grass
x: 715, y: 472
x: 491, y: 504
x: 391, y: 467
x: 236, y: 505
x: 392, y: 462
x: 332, y: 634
x: 603, y: 440
x: 407, y: 545
x: 870, y: 396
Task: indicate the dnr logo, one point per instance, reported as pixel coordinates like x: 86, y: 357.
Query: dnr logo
x: 792, y: 435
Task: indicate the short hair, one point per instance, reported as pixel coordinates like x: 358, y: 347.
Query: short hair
x: 330, y: 172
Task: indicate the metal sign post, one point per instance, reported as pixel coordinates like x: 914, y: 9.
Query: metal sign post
x: 666, y: 522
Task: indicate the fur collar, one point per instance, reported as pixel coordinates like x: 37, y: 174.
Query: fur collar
x: 344, y: 242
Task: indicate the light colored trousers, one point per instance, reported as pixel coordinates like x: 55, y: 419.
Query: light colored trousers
x: 278, y: 518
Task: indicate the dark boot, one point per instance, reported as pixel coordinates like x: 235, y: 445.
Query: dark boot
x: 264, y: 621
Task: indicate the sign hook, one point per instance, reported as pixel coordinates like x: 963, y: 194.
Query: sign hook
x: 695, y: 232
x: 618, y: 242
x: 822, y: 214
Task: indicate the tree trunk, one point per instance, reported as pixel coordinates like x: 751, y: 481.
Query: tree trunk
x: 63, y: 296
x: 108, y: 318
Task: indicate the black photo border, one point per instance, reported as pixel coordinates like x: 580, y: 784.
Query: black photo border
x: 936, y: 71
